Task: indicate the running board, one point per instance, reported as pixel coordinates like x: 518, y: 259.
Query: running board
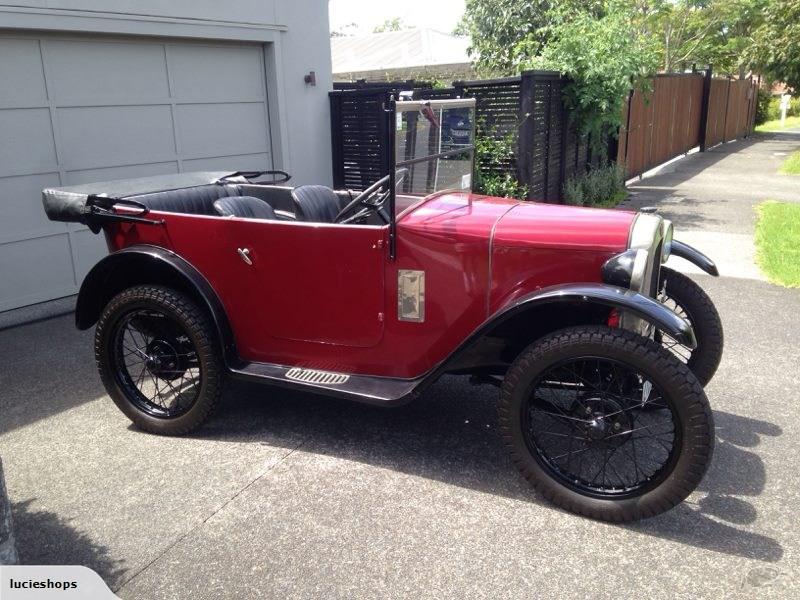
x: 383, y: 391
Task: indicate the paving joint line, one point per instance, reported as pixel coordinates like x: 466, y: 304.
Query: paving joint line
x: 209, y: 517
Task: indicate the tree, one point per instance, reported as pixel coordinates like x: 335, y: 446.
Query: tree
x: 603, y: 55
x: 497, y: 26
x: 393, y: 24
x: 776, y: 50
x: 717, y: 32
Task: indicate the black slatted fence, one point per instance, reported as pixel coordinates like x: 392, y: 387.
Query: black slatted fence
x: 528, y: 110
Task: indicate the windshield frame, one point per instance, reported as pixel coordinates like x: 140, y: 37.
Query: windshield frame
x: 396, y: 108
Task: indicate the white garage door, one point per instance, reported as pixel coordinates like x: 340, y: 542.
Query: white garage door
x: 80, y: 110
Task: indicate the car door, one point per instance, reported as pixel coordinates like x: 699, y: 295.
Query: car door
x: 307, y: 282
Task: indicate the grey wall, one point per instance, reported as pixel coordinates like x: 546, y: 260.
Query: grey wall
x: 93, y: 90
x: 295, y: 34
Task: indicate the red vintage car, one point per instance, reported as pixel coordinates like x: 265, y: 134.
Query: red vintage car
x: 600, y: 353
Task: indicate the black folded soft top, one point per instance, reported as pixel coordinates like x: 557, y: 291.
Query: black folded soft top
x: 74, y: 203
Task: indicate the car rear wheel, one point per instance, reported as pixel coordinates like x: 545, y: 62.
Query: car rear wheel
x: 688, y: 300
x: 606, y: 423
x: 158, y: 359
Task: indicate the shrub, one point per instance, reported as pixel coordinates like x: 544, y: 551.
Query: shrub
x: 773, y: 111
x: 599, y: 186
x: 490, y: 151
x: 763, y: 106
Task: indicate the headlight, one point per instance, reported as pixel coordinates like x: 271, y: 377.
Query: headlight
x: 626, y: 270
x: 667, y: 248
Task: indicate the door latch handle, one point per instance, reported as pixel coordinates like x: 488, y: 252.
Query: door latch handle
x: 244, y: 253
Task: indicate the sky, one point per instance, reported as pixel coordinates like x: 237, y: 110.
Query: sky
x: 442, y: 15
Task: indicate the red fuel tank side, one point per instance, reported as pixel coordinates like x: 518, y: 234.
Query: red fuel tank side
x: 538, y: 245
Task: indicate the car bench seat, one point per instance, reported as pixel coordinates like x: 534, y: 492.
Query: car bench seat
x: 245, y: 207
x: 198, y: 200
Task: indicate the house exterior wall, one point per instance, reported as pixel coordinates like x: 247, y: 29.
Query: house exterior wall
x: 111, y: 89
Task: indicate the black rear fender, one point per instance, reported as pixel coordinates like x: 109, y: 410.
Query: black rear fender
x: 137, y: 265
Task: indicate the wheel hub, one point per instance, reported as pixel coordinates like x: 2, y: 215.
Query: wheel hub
x: 604, y: 421
x: 163, y: 359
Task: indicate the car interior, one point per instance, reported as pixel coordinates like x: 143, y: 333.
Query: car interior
x: 309, y: 203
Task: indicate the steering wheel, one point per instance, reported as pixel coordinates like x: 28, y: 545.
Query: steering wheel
x: 370, y: 200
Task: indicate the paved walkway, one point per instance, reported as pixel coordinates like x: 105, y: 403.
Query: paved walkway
x: 286, y: 496
x: 711, y: 198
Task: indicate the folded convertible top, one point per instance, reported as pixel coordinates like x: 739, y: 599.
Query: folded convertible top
x: 71, y: 204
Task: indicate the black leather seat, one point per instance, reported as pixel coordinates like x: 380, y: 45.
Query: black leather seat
x: 198, y: 200
x: 246, y: 207
x: 315, y: 203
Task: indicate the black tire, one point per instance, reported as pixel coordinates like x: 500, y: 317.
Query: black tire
x: 687, y: 299
x: 692, y: 438
x: 171, y: 316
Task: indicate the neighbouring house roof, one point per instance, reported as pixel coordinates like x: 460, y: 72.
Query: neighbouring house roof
x: 410, y: 48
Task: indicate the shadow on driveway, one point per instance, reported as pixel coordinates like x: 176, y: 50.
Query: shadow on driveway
x: 450, y: 435
x: 44, y: 538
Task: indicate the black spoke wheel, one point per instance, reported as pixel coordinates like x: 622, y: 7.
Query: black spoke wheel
x: 606, y: 423
x: 688, y: 300
x: 601, y: 427
x: 158, y: 359
x: 156, y: 363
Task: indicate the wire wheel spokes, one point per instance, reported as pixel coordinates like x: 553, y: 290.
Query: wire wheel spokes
x: 601, y: 427
x: 157, y: 364
x: 683, y: 353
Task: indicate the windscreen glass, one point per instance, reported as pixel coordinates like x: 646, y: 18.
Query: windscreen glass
x: 434, y: 146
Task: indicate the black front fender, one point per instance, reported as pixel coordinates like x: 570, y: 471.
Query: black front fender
x: 694, y: 256
x: 144, y: 264
x: 538, y: 307
x: 608, y: 295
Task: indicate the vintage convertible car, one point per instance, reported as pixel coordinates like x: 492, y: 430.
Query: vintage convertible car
x: 599, y: 351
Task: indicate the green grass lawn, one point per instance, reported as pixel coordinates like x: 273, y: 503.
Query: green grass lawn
x: 791, y: 123
x: 791, y: 166
x: 778, y: 242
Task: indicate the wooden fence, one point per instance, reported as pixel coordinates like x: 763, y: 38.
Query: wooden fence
x: 681, y: 112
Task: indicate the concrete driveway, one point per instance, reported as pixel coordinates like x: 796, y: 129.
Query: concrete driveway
x: 283, y: 495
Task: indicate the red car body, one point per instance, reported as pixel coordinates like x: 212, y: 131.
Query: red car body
x: 323, y: 296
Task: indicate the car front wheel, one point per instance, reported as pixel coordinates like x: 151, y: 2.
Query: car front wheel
x: 158, y: 359
x: 606, y: 423
x: 688, y: 300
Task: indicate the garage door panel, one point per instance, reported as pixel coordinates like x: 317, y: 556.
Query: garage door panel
x: 35, y: 270
x: 21, y: 73
x: 21, y: 206
x: 222, y: 129
x: 115, y: 135
x: 88, y: 248
x: 248, y: 162
x: 240, y: 68
x: 27, y: 142
x: 121, y: 108
x: 126, y: 172
x: 106, y: 71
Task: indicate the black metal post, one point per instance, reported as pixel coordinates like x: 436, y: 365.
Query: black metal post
x: 704, y: 108
x: 336, y: 140
x: 525, y: 132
